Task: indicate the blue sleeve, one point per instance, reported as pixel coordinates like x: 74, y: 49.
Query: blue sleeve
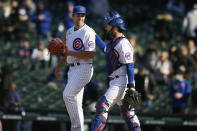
x: 188, y: 89
x: 34, y: 17
x: 47, y: 15
x: 130, y: 72
x: 100, y: 43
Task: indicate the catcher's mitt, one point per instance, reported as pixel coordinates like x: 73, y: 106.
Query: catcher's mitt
x: 57, y: 47
x: 131, y: 99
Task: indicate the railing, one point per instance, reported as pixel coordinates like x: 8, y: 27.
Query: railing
x: 158, y: 120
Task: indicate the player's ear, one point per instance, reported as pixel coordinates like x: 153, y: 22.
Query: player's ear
x: 118, y: 29
x: 115, y: 29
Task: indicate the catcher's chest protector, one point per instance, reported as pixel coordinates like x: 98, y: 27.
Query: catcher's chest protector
x: 112, y: 56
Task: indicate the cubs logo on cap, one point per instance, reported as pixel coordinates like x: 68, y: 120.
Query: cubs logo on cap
x: 91, y: 44
x: 79, y: 9
x: 127, y: 56
x: 77, y: 44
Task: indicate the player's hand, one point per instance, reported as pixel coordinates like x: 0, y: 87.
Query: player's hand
x: 178, y: 95
x: 57, y: 72
x: 64, y: 51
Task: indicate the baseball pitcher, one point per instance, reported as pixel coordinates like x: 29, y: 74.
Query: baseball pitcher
x: 80, y: 50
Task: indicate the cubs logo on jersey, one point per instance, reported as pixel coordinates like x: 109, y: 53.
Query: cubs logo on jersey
x: 91, y: 44
x: 77, y: 44
x: 128, y: 56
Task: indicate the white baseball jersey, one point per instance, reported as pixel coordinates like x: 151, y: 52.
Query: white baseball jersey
x: 125, y: 51
x: 82, y: 39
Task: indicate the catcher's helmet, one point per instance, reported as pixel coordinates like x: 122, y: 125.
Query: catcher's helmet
x: 117, y: 22
x: 110, y: 16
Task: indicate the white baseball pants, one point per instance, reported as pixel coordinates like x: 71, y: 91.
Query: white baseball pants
x: 78, y: 77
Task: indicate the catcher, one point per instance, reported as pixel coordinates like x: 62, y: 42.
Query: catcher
x: 119, y: 60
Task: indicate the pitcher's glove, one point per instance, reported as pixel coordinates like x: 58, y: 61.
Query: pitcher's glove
x: 132, y: 98
x: 57, y: 47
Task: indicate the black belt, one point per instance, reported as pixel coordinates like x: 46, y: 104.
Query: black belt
x: 76, y: 64
x: 112, y: 78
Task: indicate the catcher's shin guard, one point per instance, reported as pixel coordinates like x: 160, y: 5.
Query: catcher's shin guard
x: 130, y: 118
x: 100, y: 119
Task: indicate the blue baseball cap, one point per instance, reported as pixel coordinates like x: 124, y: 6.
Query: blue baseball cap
x: 79, y: 9
x: 118, y: 22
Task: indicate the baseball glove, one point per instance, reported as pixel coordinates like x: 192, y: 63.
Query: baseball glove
x: 131, y: 99
x: 57, y: 47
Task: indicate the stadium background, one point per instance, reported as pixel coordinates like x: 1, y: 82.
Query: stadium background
x: 41, y: 104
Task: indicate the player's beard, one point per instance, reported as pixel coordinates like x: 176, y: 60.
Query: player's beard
x: 109, y: 35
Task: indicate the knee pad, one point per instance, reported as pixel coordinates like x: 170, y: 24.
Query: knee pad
x: 127, y: 115
x: 130, y: 118
x: 99, y: 121
x: 134, y: 126
x: 102, y: 106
